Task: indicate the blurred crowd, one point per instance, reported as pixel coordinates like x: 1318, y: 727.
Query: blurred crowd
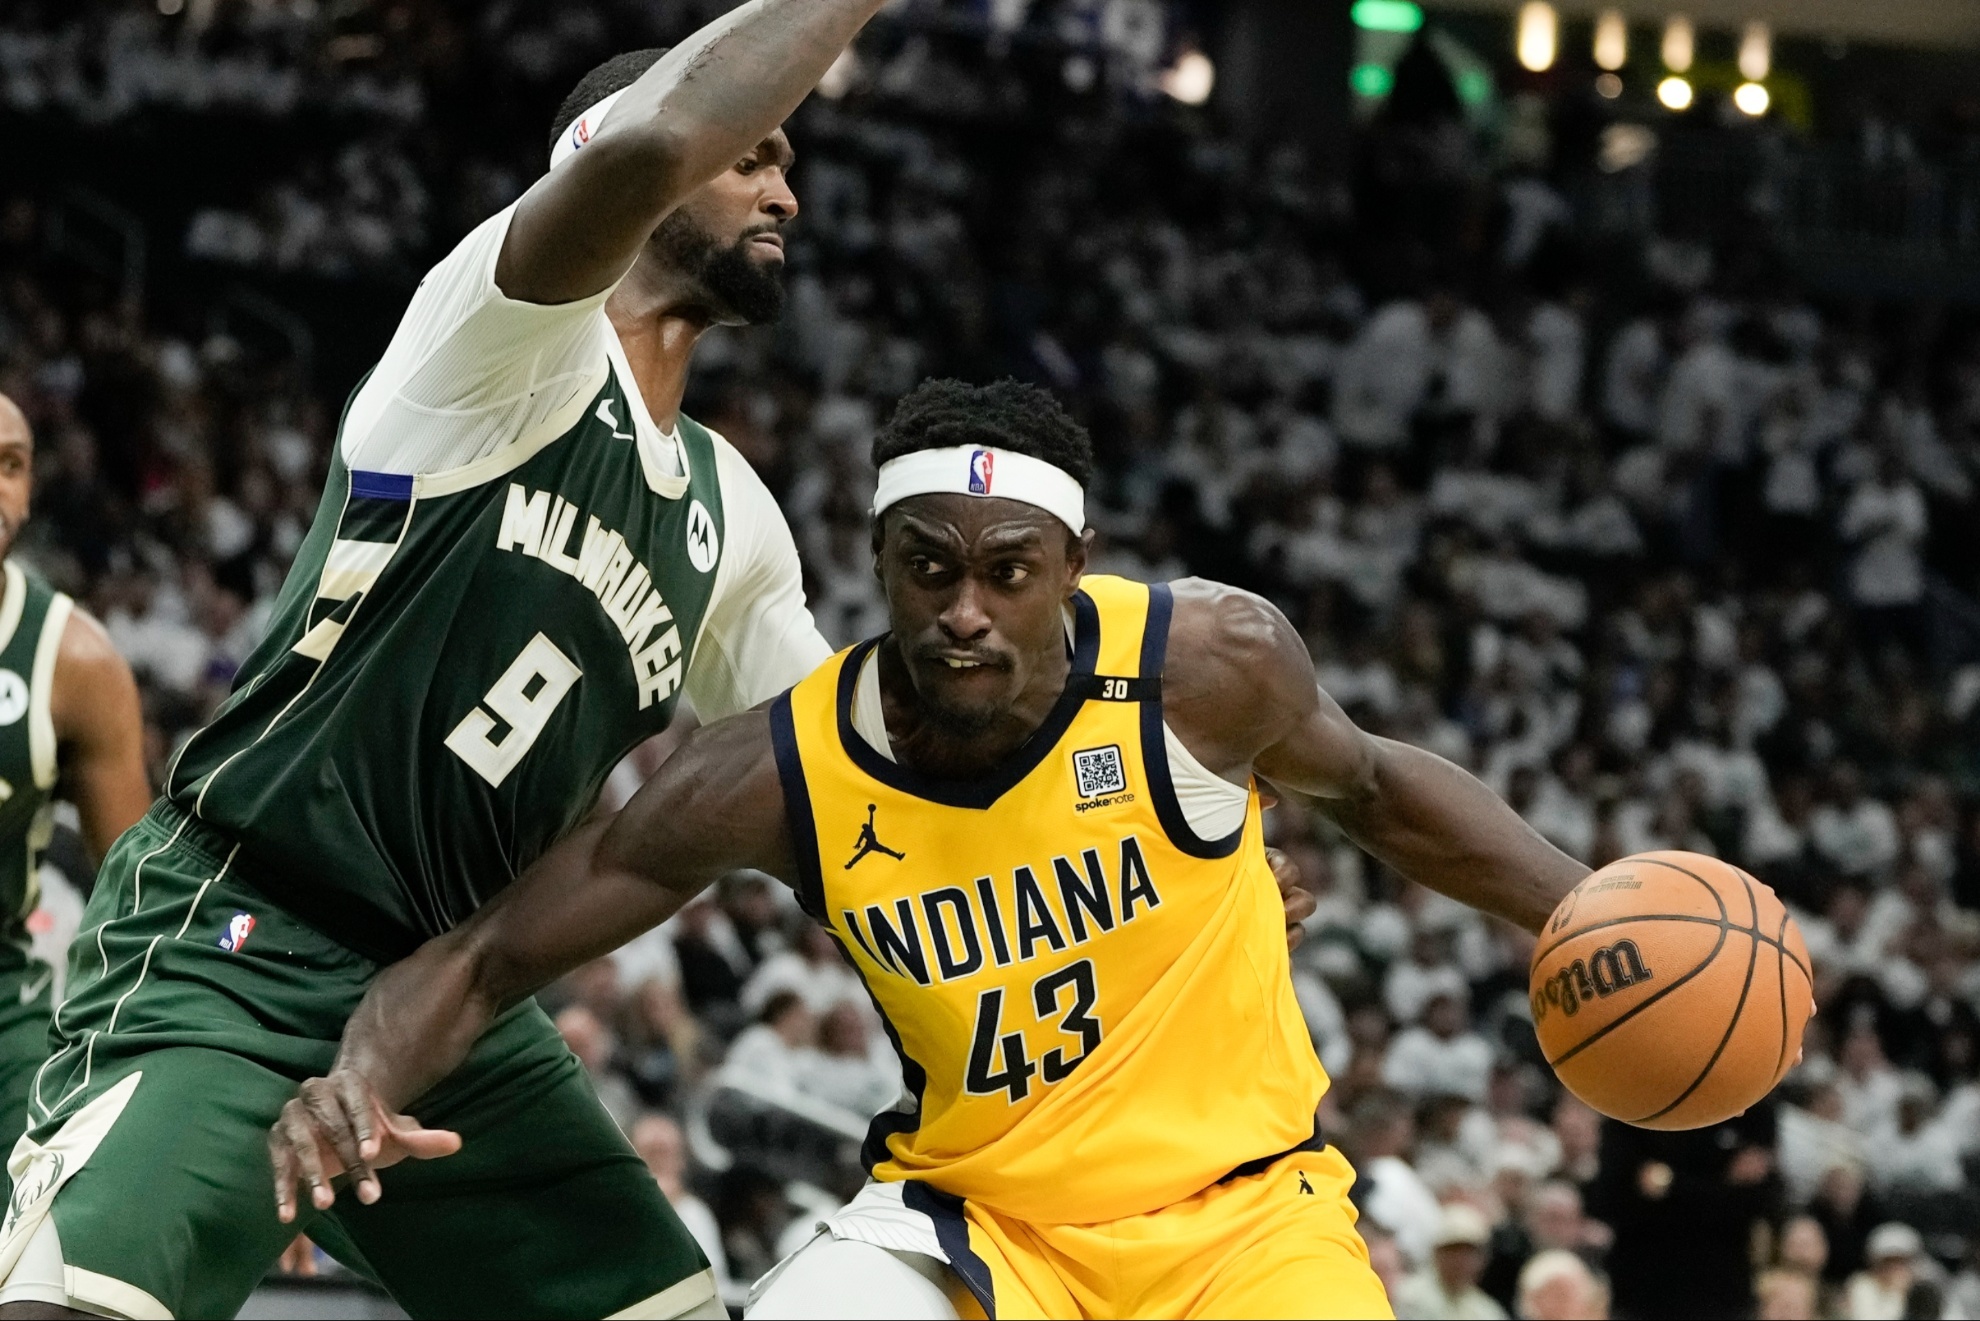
x: 1670, y: 552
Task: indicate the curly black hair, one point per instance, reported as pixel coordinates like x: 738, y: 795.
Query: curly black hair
x: 1008, y: 414
x: 615, y: 75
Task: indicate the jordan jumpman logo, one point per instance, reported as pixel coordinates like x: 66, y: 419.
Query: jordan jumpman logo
x: 870, y: 842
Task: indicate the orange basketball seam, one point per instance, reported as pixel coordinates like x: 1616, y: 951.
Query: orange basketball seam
x: 1753, y: 931
x: 1725, y: 927
x: 1732, y: 1025
x: 1727, y: 923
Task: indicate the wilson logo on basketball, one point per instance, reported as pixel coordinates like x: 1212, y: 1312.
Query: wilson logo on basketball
x: 1610, y: 969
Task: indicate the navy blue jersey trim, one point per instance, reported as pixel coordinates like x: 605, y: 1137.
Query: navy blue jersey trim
x: 952, y: 1232
x: 984, y: 790
x: 803, y: 827
x: 1154, y: 747
x: 1318, y: 1142
x: 381, y: 485
x: 798, y: 819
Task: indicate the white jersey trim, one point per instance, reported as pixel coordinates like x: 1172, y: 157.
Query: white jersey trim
x: 41, y: 690
x: 14, y: 603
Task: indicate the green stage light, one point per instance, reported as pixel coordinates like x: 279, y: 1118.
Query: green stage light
x: 1371, y: 80
x: 1387, y: 15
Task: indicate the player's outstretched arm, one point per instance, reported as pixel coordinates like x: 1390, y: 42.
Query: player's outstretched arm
x: 1238, y: 689
x: 715, y: 807
x: 708, y: 104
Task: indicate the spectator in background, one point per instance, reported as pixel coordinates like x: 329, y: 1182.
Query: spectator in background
x: 1390, y: 1192
x: 597, y: 1047
x: 1447, y: 1290
x: 1786, y: 1295
x: 776, y: 1055
x: 1693, y: 1197
x: 1559, y: 1286
x: 1441, y: 1055
x: 1881, y: 1289
x: 661, y: 1144
x: 1885, y: 520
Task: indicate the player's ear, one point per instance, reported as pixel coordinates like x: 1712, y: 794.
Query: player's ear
x: 1077, y: 550
x: 879, y: 538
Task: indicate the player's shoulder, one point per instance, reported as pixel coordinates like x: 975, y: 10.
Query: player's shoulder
x: 1216, y: 627
x: 1234, y: 665
x: 86, y: 646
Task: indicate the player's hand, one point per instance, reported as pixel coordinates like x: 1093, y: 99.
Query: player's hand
x: 1299, y: 901
x: 337, y: 1125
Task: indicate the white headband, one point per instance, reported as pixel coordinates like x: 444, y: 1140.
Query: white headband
x: 583, y: 129
x: 974, y: 470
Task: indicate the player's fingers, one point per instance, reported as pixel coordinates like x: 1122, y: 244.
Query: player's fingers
x: 334, y: 1126
x: 1300, y: 905
x: 282, y: 1156
x: 300, y: 1135
x: 423, y: 1143
x: 356, y: 1096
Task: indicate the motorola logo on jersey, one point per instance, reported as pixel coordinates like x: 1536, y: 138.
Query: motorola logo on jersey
x: 13, y: 697
x: 703, y: 548
x: 981, y: 462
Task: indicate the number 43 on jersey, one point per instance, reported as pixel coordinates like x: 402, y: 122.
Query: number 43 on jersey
x: 1000, y: 1062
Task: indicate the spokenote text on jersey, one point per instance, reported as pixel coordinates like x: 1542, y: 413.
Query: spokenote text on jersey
x: 966, y: 928
x: 544, y: 525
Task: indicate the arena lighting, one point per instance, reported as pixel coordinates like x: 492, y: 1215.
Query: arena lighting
x: 1539, y: 31
x: 1386, y: 15
x: 1371, y: 80
x: 1191, y: 79
x: 1609, y: 85
x: 1611, y: 40
x: 1756, y: 53
x: 1675, y: 93
x: 1680, y: 43
x: 1752, y: 99
x: 170, y: 7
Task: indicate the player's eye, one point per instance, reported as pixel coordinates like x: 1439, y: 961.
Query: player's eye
x: 748, y: 165
x: 1013, y: 573
x: 925, y: 565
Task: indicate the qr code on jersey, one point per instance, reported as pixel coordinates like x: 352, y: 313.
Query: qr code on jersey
x: 1099, y: 771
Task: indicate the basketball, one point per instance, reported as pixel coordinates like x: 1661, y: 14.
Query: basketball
x: 1670, y: 990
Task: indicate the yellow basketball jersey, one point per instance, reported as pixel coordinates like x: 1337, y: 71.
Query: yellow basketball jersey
x: 1091, y: 1003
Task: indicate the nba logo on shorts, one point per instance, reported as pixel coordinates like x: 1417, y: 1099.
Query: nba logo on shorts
x: 238, y: 927
x: 980, y: 463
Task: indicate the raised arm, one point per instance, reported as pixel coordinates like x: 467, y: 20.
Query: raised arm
x: 1239, y: 691
x: 716, y: 806
x: 703, y: 107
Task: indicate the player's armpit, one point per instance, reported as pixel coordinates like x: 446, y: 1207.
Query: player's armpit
x: 99, y: 733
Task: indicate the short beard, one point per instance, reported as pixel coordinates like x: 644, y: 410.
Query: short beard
x: 734, y: 283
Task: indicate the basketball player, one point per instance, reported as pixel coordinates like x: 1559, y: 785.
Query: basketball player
x: 70, y: 727
x: 1029, y: 814
x: 522, y: 560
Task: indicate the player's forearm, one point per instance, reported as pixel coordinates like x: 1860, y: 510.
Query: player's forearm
x: 421, y: 1018
x: 724, y: 89
x: 1437, y: 825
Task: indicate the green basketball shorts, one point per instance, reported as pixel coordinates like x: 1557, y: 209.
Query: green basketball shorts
x: 195, y: 1007
x: 26, y: 999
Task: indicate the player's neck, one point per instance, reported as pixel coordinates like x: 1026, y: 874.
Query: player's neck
x: 924, y: 743
x: 658, y: 337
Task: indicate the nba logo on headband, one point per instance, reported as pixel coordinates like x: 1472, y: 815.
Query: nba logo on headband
x: 980, y: 464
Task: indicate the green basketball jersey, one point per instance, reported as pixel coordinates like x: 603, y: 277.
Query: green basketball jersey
x: 32, y: 617
x: 454, y: 665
